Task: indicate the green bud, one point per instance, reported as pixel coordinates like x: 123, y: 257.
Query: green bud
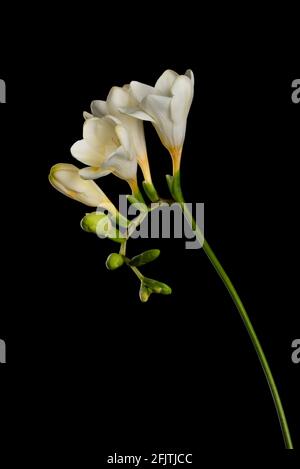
x: 100, y: 224
x: 150, y: 191
x: 145, y: 257
x: 144, y: 293
x: 90, y: 221
x: 114, y: 261
x: 157, y: 287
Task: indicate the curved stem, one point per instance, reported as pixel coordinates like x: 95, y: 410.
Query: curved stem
x: 255, y: 341
x: 137, y: 272
x: 123, y: 248
x: 134, y: 269
x: 246, y: 320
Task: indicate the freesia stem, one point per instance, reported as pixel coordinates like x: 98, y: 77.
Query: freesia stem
x: 134, y: 269
x: 255, y: 341
x: 139, y: 275
x: 246, y: 320
x: 123, y: 248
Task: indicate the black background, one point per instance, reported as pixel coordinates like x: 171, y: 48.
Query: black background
x: 178, y: 372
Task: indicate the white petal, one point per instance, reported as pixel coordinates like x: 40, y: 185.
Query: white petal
x: 121, y: 166
x: 99, y: 141
x: 91, y: 172
x: 65, y: 178
x: 99, y: 108
x: 137, y: 113
x: 121, y: 150
x: 190, y: 75
x: 117, y: 97
x: 183, y: 92
x: 123, y: 137
x: 98, y: 132
x: 139, y: 90
x: 165, y: 82
x: 87, y: 115
x: 158, y: 107
x: 113, y: 119
x: 135, y: 129
x: 84, y: 153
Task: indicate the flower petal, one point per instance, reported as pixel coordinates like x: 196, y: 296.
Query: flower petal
x: 120, y: 165
x: 113, y: 119
x: 87, y: 115
x: 91, y: 172
x: 165, y: 82
x: 98, y: 132
x: 84, y: 153
x: 117, y: 97
x: 65, y: 178
x: 124, y: 138
x: 158, y: 107
x: 139, y: 90
x: 99, y: 108
x: 137, y: 113
x: 190, y: 75
x: 183, y: 92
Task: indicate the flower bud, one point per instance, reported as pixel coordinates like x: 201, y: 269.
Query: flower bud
x: 157, y: 287
x: 144, y: 257
x: 144, y: 293
x: 101, y: 225
x: 90, y: 222
x: 114, y: 261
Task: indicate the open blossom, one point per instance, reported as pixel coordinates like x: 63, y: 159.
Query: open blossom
x: 166, y: 105
x: 105, y: 148
x: 66, y: 179
x: 117, y: 99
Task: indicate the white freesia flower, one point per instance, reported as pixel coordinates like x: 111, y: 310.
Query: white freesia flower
x: 117, y: 99
x: 66, y: 179
x: 166, y: 105
x: 105, y: 148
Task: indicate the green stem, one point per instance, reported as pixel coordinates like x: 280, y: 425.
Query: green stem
x: 123, y: 248
x: 255, y: 341
x: 139, y: 275
x: 246, y: 320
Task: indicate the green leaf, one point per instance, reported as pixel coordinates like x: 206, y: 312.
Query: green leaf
x: 144, y: 257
